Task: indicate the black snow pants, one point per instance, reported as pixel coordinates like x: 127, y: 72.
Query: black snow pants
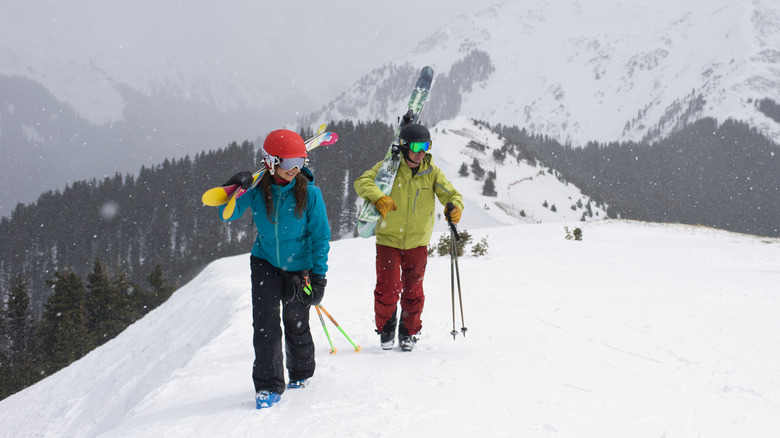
x: 270, y: 287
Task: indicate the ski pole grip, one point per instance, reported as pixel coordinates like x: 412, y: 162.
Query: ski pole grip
x: 450, y: 205
x: 306, y: 283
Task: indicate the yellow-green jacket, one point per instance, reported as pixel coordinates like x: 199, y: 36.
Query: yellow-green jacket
x: 412, y: 224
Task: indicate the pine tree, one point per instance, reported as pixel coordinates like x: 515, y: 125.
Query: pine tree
x: 477, y: 170
x: 5, y: 366
x: 161, y: 289
x: 500, y: 154
x: 62, y: 336
x: 108, y: 310
x: 6, y: 377
x: 141, y: 301
x: 17, y: 371
x: 19, y: 321
x: 4, y: 337
x: 489, y: 188
x: 464, y: 170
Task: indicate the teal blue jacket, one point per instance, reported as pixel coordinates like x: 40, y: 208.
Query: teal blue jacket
x: 290, y: 244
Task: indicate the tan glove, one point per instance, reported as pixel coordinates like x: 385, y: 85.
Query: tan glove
x: 384, y: 205
x: 452, y: 212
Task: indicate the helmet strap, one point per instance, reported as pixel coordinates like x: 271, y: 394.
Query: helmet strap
x: 270, y: 162
x: 405, y: 152
x: 270, y: 168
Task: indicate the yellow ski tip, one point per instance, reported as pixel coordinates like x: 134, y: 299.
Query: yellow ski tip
x: 214, y: 197
x: 230, y: 207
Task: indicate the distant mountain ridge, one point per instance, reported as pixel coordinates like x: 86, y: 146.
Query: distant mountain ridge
x: 102, y: 102
x: 601, y: 70
x: 92, y: 88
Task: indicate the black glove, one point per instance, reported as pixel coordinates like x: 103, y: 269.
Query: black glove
x: 243, y: 178
x: 318, y: 283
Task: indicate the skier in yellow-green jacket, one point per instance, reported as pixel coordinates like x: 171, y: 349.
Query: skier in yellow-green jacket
x: 404, y: 232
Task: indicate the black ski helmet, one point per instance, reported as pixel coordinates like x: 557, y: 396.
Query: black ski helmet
x: 414, y: 132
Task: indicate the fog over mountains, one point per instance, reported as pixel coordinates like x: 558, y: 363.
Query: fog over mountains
x: 601, y: 70
x: 91, y: 87
x: 95, y: 88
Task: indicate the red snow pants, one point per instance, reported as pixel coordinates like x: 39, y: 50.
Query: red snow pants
x: 399, y: 274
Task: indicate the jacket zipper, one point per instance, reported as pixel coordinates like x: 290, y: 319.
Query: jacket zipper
x: 276, y: 229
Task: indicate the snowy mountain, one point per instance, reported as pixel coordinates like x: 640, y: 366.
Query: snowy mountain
x: 102, y: 87
x: 637, y: 330
x: 603, y: 70
x: 524, y: 192
x: 238, y: 55
x: 92, y: 88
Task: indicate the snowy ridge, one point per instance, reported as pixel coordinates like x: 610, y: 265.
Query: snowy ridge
x: 639, y: 330
x: 96, y: 392
x: 522, y: 189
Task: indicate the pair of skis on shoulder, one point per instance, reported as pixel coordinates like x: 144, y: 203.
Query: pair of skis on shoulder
x: 227, y: 195
x: 368, y: 217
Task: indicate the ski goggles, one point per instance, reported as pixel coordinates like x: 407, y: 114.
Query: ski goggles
x: 419, y: 146
x: 289, y: 163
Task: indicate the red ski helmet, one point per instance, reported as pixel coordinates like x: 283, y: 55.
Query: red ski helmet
x: 284, y: 143
x: 280, y: 145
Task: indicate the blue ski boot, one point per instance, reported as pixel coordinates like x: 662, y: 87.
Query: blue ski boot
x: 295, y: 384
x: 266, y: 398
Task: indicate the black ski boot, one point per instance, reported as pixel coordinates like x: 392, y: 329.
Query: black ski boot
x: 406, y: 340
x: 387, y: 335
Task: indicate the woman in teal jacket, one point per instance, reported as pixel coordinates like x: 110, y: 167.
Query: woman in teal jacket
x: 290, y: 251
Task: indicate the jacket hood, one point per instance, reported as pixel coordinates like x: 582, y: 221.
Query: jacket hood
x: 307, y: 173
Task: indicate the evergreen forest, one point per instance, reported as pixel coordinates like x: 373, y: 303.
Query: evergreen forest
x: 71, y: 264
x: 718, y: 175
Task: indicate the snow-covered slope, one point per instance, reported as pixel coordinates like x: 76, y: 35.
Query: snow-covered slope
x: 638, y: 330
x: 524, y: 193
x: 574, y: 338
x: 602, y: 70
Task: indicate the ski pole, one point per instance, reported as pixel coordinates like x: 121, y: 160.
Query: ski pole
x: 333, y: 350
x: 453, y: 248
x: 460, y: 294
x: 357, y: 347
x: 455, y: 273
